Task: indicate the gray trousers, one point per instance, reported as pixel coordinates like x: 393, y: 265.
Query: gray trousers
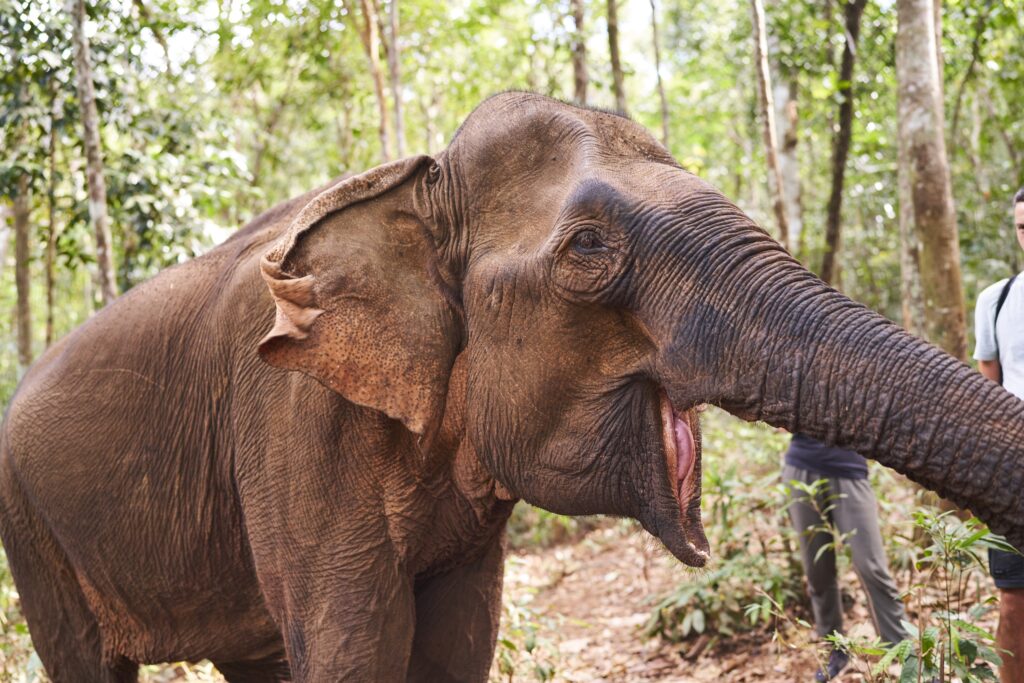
x: 855, y: 515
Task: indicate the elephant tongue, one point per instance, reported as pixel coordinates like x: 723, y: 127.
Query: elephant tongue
x: 681, y: 456
x: 680, y: 451
x: 685, y: 449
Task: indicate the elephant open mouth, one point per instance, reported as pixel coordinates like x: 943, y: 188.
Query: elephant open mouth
x: 681, y: 459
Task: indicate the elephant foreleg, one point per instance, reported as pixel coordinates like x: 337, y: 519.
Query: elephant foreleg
x: 457, y: 615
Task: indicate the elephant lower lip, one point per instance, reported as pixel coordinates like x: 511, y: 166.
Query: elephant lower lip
x: 681, y: 459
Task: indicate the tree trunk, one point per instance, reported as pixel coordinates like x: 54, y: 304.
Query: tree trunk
x: 786, y: 90
x: 613, y: 49
x: 22, y: 279
x: 371, y: 44
x: 925, y: 177
x: 657, y: 72
x: 579, y: 54
x: 787, y: 116
x: 911, y: 300
x: 147, y: 19
x: 394, y: 70
x: 764, y: 87
x: 51, y: 201
x: 852, y: 13
x: 430, y: 132
x: 5, y: 234
x: 93, y: 153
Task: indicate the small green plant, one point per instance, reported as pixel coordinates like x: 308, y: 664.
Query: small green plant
x: 947, y: 642
x: 758, y: 565
x: 719, y: 602
x: 522, y: 648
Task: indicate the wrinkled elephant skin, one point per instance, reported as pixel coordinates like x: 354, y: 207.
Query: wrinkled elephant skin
x: 296, y: 455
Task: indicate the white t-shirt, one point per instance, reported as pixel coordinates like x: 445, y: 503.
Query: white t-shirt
x: 1010, y: 331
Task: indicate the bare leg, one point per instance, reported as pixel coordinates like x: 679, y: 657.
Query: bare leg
x: 1011, y: 634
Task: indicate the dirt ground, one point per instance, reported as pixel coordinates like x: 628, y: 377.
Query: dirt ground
x: 597, y: 594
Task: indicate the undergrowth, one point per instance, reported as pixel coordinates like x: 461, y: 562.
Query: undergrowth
x: 756, y: 579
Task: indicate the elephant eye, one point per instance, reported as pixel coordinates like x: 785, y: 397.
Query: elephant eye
x: 586, y: 242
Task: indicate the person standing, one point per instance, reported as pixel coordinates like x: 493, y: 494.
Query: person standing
x: 847, y: 501
x: 999, y: 350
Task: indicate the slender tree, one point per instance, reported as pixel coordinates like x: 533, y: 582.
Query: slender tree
x: 657, y: 72
x: 853, y: 10
x: 93, y: 152
x: 618, y: 86
x: 579, y: 54
x: 764, y: 87
x: 394, y: 70
x: 147, y: 19
x: 22, y: 278
x: 787, y: 117
x: 786, y: 90
x: 924, y: 174
x: 370, y: 34
x: 51, y: 201
x: 5, y: 233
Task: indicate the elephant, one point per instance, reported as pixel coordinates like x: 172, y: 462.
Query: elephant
x: 295, y: 455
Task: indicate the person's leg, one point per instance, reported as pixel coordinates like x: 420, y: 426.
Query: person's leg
x: 1010, y: 635
x: 821, y: 572
x: 856, y: 517
x: 1008, y: 572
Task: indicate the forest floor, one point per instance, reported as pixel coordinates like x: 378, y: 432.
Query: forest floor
x: 597, y: 594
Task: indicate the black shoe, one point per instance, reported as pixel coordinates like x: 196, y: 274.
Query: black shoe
x: 837, y: 661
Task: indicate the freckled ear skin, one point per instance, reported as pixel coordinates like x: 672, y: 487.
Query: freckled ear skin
x: 359, y: 306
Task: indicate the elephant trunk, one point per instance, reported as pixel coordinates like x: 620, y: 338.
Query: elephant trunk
x: 799, y: 355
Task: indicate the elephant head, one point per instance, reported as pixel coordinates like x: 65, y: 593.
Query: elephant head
x: 599, y: 293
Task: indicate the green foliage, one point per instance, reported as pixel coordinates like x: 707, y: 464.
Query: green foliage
x: 756, y: 567
x: 523, y: 651
x: 738, y: 594
x: 211, y: 113
x: 533, y: 527
x: 947, y: 639
x: 949, y: 645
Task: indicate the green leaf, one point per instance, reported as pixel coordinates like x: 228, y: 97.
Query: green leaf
x: 908, y: 674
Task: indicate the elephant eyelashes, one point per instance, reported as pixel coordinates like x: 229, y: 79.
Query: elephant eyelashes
x: 586, y: 242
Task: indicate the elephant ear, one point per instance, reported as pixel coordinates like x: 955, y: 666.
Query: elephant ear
x: 360, y: 306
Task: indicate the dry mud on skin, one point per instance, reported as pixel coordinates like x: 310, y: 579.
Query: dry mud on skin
x: 593, y: 598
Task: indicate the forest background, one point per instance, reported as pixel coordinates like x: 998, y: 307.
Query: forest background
x: 135, y: 134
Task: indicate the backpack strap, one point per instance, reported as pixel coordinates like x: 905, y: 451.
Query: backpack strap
x: 995, y: 319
